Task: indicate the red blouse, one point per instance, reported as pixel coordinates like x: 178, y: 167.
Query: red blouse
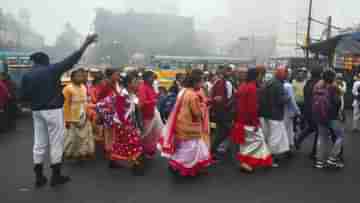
x: 105, y: 89
x: 147, y: 99
x: 247, y: 112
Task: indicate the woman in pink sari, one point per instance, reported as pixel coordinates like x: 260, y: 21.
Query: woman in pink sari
x: 126, y: 147
x: 185, y: 138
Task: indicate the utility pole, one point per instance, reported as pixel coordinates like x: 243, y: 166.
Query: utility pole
x: 296, y: 34
x: 253, y: 45
x: 308, y: 41
x: 329, y: 27
x: 328, y: 36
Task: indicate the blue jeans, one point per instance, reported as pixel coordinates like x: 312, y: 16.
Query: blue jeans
x: 326, y: 146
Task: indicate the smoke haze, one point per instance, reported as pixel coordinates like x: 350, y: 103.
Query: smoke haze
x: 225, y: 20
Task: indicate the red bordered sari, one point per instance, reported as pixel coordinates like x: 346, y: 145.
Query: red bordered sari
x: 246, y: 130
x: 126, y: 145
x: 187, y: 154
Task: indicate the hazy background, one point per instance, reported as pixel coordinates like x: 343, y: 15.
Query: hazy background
x: 223, y: 22
x: 49, y: 16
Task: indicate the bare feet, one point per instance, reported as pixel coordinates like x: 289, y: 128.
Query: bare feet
x: 246, y: 168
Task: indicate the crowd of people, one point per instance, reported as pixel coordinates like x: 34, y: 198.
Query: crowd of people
x: 261, y: 123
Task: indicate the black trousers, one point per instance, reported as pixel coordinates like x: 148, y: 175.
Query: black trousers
x: 13, y: 113
x: 309, y: 130
x: 333, y: 139
x: 312, y: 129
x: 299, y: 121
x: 4, y: 119
x: 222, y: 133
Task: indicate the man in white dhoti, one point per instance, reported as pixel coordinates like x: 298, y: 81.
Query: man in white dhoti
x: 272, y: 105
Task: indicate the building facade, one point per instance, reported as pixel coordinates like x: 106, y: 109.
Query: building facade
x: 125, y: 34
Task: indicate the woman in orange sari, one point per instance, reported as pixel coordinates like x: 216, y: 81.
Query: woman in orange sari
x: 93, y: 94
x: 185, y: 138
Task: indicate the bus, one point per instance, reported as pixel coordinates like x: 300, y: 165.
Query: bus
x: 16, y: 65
x: 166, y: 67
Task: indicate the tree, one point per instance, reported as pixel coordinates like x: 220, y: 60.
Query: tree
x: 2, y: 20
x: 67, y: 41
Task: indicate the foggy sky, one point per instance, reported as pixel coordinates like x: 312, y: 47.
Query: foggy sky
x: 245, y: 16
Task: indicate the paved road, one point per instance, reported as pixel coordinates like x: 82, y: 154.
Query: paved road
x: 93, y: 182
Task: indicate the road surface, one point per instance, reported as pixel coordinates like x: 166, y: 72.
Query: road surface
x: 295, y: 181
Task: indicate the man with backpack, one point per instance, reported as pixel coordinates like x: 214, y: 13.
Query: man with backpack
x: 325, y: 107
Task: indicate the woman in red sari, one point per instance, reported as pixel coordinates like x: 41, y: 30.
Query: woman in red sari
x: 107, y: 90
x: 126, y: 149
x: 93, y: 94
x: 153, y: 124
x: 246, y: 131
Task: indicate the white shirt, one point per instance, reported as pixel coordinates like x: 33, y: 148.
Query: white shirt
x: 229, y: 89
x: 208, y: 86
x: 355, y: 92
x: 343, y: 88
x: 156, y: 86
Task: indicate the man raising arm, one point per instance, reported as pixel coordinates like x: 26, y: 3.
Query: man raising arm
x: 41, y: 87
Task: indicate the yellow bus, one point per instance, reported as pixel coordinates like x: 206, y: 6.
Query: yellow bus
x: 166, y: 67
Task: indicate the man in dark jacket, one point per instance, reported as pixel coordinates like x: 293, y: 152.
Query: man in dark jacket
x: 41, y: 87
x: 311, y: 128
x: 220, y: 95
x: 272, y: 106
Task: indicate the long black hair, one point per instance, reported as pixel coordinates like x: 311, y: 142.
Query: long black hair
x: 109, y: 72
x: 252, y: 74
x: 193, y: 78
x: 98, y: 77
x: 329, y: 76
x: 131, y: 76
x: 316, y: 71
x: 147, y: 75
x: 40, y: 58
x: 73, y: 73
